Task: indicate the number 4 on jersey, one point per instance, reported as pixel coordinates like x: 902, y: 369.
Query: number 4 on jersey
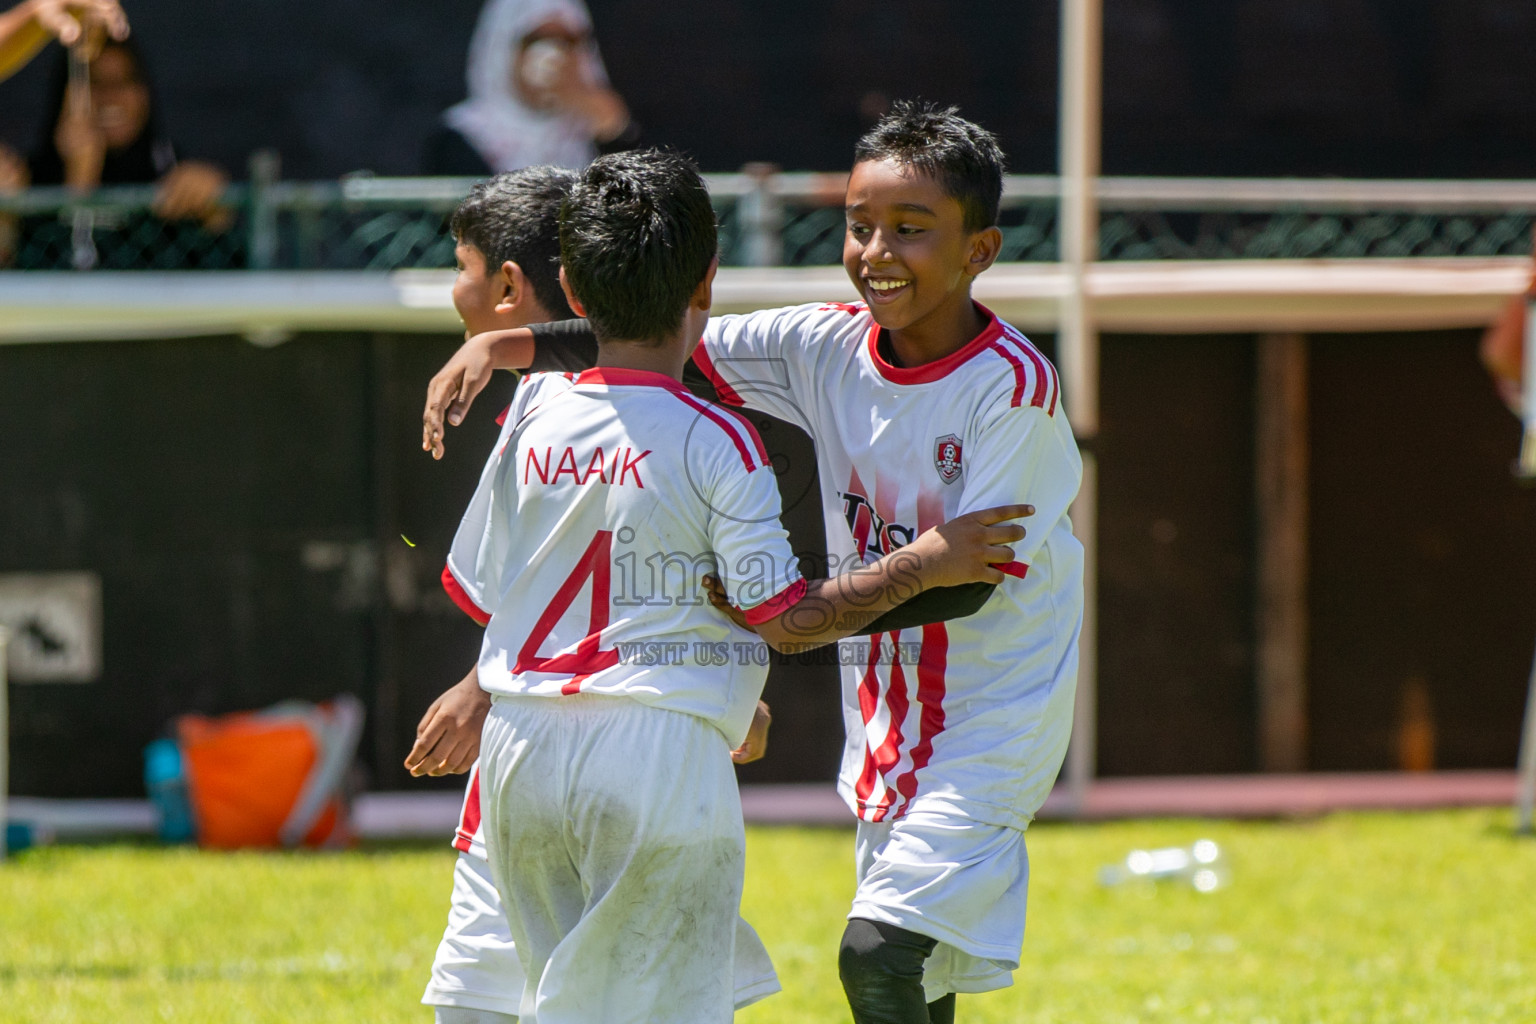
x: 597, y: 563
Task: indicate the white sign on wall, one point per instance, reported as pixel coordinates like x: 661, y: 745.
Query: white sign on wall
x: 55, y: 625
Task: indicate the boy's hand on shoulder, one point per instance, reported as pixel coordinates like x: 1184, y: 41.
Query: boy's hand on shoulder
x: 448, y: 736
x: 968, y: 548
x: 756, y: 743
x: 453, y: 389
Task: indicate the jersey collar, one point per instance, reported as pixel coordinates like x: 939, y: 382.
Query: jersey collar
x: 615, y: 377
x: 939, y: 368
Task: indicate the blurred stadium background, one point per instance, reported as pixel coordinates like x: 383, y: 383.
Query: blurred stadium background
x: 1311, y: 555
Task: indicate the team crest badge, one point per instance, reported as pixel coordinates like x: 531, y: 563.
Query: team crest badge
x: 946, y: 458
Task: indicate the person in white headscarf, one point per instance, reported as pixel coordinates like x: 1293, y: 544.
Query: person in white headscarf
x: 538, y: 93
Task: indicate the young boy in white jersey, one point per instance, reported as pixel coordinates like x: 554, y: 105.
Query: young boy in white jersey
x: 507, y: 255
x: 611, y: 818
x: 923, y: 406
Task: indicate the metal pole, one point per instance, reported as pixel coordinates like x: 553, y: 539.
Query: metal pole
x: 761, y: 215
x: 5, y: 742
x: 264, y: 168
x: 1078, y: 341
x: 1082, y: 754
x: 1081, y: 59
x: 1526, y: 796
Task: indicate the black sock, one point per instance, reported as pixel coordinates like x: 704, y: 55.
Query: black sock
x: 882, y: 971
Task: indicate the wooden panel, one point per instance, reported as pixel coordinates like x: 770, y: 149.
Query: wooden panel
x: 1280, y: 464
x: 1423, y: 567
x: 1176, y: 556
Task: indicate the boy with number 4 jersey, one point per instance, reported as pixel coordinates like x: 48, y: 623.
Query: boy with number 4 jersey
x: 610, y: 812
x: 923, y: 406
x: 507, y: 250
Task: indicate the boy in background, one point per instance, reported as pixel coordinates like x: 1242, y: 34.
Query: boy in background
x: 506, y: 253
x: 923, y: 406
x: 612, y: 821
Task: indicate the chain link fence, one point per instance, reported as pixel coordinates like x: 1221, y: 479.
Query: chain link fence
x: 767, y: 219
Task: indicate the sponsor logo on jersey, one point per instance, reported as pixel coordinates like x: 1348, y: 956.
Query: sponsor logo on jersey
x: 869, y: 528
x: 946, y: 457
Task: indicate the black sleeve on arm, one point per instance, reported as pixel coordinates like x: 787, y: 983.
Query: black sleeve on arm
x: 564, y: 346
x: 569, y: 346
x: 937, y: 605
x: 695, y: 381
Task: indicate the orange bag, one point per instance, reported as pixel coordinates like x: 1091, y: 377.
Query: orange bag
x: 271, y: 778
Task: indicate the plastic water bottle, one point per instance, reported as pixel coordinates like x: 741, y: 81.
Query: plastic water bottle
x: 1200, y: 865
x: 165, y: 778
x: 23, y: 835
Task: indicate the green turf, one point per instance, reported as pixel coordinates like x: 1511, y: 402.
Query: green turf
x: 1352, y: 918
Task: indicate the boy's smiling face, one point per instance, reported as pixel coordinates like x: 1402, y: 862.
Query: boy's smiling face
x: 907, y: 250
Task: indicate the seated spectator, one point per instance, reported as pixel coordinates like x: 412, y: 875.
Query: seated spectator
x: 105, y: 130
x: 27, y: 27
x: 538, y: 93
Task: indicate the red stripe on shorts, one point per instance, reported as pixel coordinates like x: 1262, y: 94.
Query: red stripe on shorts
x: 469, y: 820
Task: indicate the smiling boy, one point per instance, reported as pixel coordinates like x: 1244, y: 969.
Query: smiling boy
x: 612, y: 824
x: 924, y: 407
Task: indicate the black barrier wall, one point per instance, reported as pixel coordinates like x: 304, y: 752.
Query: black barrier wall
x: 248, y: 510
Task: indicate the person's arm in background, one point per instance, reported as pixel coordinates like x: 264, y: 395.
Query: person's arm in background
x: 27, y: 27
x: 191, y: 191
x: 1503, y: 348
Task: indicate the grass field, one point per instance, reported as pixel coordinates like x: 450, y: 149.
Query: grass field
x: 1352, y: 918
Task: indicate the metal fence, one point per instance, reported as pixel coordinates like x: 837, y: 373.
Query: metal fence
x: 771, y: 219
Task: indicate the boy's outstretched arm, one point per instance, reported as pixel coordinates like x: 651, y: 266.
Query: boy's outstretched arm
x: 454, y: 388
x: 448, y: 736
x: 967, y: 549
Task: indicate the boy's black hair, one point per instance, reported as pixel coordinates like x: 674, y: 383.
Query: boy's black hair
x: 516, y: 216
x: 962, y: 157
x: 637, y: 234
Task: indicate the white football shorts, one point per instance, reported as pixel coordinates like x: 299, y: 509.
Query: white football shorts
x: 615, y: 836
x: 960, y: 882
x: 476, y: 966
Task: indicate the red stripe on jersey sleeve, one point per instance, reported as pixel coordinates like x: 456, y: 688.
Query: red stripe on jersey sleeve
x: 732, y: 430
x: 723, y: 389
x: 1018, y: 374
x: 1042, y: 379
x: 757, y: 439
x: 1047, y: 383
x: 501, y: 417
x: 462, y: 599
x: 1014, y: 569
x: 778, y: 604
x: 1055, y: 387
x: 469, y: 819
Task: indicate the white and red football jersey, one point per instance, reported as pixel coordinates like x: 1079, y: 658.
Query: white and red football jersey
x: 968, y: 717
x: 607, y: 497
